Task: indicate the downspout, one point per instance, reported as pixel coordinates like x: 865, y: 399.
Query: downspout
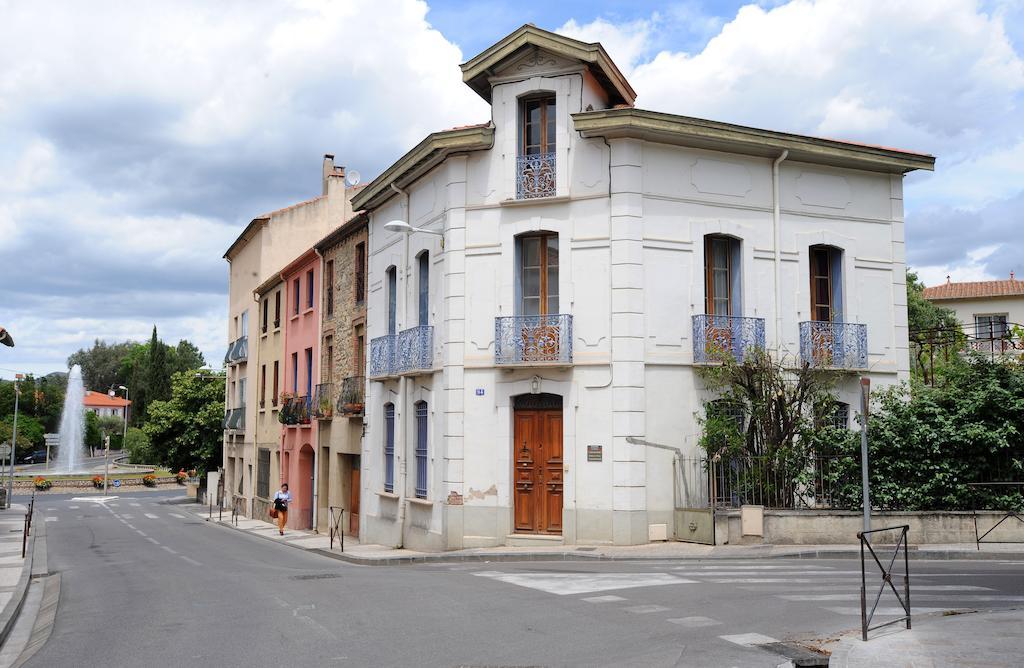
x: 319, y: 360
x: 777, y: 232
x: 255, y: 432
x: 403, y: 382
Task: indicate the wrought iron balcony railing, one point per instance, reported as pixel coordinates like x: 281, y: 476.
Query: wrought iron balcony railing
x: 350, y: 400
x: 415, y: 349
x: 530, y: 339
x: 535, y: 176
x: 234, y: 418
x: 295, y: 411
x: 834, y: 345
x: 382, y: 356
x: 323, y: 401
x: 227, y: 418
x: 238, y: 350
x: 720, y: 337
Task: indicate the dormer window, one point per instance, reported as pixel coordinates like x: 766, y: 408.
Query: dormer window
x: 535, y: 164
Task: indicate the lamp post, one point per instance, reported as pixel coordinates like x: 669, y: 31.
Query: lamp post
x: 14, y: 438
x: 112, y: 392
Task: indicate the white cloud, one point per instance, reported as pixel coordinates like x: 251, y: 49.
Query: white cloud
x: 625, y: 43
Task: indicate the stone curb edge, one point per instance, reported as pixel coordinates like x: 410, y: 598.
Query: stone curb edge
x: 443, y: 557
x: 10, y: 612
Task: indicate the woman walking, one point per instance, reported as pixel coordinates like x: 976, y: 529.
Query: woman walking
x: 281, y: 500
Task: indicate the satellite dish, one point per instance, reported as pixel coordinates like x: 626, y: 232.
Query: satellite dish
x: 352, y: 178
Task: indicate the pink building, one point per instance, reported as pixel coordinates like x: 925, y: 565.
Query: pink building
x: 299, y: 384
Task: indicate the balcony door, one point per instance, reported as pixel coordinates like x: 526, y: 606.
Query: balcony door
x: 722, y: 292
x: 538, y: 297
x: 536, y: 162
x: 826, y: 269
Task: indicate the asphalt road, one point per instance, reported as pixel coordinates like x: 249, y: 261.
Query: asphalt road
x: 147, y: 582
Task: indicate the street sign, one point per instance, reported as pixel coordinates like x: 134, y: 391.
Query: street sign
x: 117, y: 483
x: 5, y: 449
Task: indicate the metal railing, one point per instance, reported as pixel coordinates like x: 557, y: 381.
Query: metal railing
x: 834, y: 345
x: 28, y: 524
x: 535, y: 176
x: 886, y: 577
x: 719, y: 337
x: 382, y: 356
x: 323, y: 401
x: 237, y: 508
x: 296, y: 411
x: 337, y: 516
x: 415, y: 349
x: 722, y: 482
x: 1009, y: 513
x: 238, y: 350
x: 529, y: 339
x: 350, y: 399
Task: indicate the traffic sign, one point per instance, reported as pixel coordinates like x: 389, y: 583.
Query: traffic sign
x: 5, y: 449
x: 117, y: 483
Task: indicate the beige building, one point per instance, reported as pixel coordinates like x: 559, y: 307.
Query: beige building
x: 988, y: 311
x: 338, y: 403
x: 268, y: 243
x: 269, y: 367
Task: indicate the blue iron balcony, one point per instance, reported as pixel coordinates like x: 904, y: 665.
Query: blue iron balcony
x: 535, y: 176
x: 415, y: 350
x: 382, y: 356
x: 533, y: 339
x: 720, y: 337
x: 834, y: 345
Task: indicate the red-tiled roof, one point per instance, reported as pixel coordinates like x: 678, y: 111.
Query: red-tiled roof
x: 103, y: 400
x: 976, y: 289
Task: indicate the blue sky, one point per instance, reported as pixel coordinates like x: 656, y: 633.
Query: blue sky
x: 132, y: 155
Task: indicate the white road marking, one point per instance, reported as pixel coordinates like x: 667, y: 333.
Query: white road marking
x: 191, y: 561
x: 748, y: 639
x: 130, y: 526
x: 152, y: 540
x: 168, y: 549
x: 135, y: 505
x: 645, y: 609
x: 94, y: 499
x: 140, y: 533
x: 694, y: 622
x: 51, y: 510
x: 885, y: 612
x: 180, y: 517
x: 152, y: 516
x: 562, y: 584
x: 602, y: 599
x: 127, y: 516
x: 51, y: 519
x: 73, y: 507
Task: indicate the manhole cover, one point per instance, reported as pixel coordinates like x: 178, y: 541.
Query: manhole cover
x: 316, y: 576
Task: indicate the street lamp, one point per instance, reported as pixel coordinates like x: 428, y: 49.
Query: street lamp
x: 6, y: 338
x: 124, y: 435
x: 406, y: 228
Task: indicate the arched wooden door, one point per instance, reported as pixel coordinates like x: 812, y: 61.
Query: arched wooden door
x: 538, y: 475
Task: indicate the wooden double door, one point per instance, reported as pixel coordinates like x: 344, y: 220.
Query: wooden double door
x: 537, y: 441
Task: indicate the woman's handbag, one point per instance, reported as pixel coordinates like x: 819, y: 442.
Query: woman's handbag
x: 273, y: 513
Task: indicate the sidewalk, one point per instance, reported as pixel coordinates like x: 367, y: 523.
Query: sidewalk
x: 992, y: 639
x: 15, y: 572
x: 379, y: 555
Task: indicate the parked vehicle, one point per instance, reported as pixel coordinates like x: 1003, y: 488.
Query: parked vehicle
x: 35, y: 457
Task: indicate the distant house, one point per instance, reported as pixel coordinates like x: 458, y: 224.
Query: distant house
x: 102, y: 405
x: 988, y: 310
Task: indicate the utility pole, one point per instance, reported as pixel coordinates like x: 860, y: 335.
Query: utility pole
x: 14, y: 439
x: 865, y: 394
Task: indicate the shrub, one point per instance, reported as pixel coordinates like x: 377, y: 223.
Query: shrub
x: 42, y: 484
x: 149, y: 480
x: 97, y: 481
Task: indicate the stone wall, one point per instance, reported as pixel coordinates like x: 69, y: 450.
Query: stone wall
x: 348, y: 314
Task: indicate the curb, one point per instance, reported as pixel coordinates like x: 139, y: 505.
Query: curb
x: 10, y: 612
x: 446, y: 557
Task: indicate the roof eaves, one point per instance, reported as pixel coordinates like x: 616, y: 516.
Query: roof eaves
x: 425, y: 155
x: 706, y: 133
x: 245, y: 235
x: 339, y: 233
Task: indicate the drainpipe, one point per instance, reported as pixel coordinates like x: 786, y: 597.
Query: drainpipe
x: 316, y: 449
x: 777, y: 231
x: 403, y: 382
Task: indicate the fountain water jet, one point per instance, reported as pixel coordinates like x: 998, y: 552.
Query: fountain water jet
x: 72, y: 424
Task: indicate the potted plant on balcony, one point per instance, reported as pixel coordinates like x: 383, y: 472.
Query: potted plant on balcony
x: 287, y: 413
x: 324, y: 408
x: 303, y: 409
x: 350, y: 401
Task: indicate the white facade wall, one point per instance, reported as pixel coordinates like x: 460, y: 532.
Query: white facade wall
x: 631, y: 217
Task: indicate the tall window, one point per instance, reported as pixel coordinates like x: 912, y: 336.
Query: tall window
x: 309, y: 372
x: 421, y: 449
x: 277, y: 309
x: 244, y: 324
x: 360, y: 273
x: 392, y: 299
x: 329, y: 283
x: 538, y: 126
x: 826, y: 284
x: 389, y: 447
x: 538, y: 274
x: 266, y: 313
x: 297, y: 294
x: 263, y: 473
x: 309, y: 289
x: 273, y: 398
x: 990, y: 326
x: 295, y: 373
x: 424, y: 289
x: 357, y: 354
x: 329, y: 372
x: 263, y: 385
x: 722, y: 275
x: 241, y: 392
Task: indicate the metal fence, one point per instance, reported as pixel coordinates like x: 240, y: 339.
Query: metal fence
x: 716, y: 337
x: 834, y: 345
x: 523, y: 339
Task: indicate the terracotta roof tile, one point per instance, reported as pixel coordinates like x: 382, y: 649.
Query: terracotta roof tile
x: 976, y: 289
x: 102, y: 400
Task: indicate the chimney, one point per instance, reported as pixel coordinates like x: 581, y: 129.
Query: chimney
x: 1011, y: 275
x: 947, y: 279
x: 330, y: 170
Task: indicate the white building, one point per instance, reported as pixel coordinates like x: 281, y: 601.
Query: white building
x: 522, y: 363
x: 988, y: 311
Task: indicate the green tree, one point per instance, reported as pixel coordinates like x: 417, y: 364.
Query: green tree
x: 93, y: 436
x: 936, y: 337
x: 101, y: 364
x: 922, y: 314
x: 185, y: 357
x: 186, y: 431
x: 138, y: 447
x: 113, y: 427
x: 158, y: 380
x: 30, y: 433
